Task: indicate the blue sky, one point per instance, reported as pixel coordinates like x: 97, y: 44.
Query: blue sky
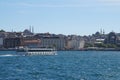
x: 81, y: 17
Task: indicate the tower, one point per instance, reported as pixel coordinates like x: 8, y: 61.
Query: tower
x: 101, y: 31
x: 30, y: 28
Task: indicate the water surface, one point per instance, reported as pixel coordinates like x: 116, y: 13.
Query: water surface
x: 67, y: 65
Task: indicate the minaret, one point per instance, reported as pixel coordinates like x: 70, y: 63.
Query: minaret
x: 12, y: 30
x: 32, y: 29
x: 103, y: 31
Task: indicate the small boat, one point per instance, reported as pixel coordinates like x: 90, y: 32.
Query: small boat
x: 36, y: 51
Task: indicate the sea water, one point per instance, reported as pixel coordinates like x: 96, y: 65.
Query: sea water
x: 66, y: 65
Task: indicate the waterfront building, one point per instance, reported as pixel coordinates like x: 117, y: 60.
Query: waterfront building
x: 111, y: 38
x: 118, y: 39
x: 57, y: 42
x: 99, y: 41
x: 68, y: 45
x: 82, y: 44
x: 75, y: 44
x: 12, y: 42
x: 3, y: 34
x: 10, y: 34
x: 18, y: 34
x: 20, y: 41
x: 31, y: 42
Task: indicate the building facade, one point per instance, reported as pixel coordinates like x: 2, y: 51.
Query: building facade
x: 12, y: 42
x: 31, y: 42
x: 57, y: 42
x: 111, y: 39
x: 75, y: 44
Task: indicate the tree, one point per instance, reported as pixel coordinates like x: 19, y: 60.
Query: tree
x: 2, y: 30
x: 88, y: 45
x: 111, y: 46
x: 101, y: 45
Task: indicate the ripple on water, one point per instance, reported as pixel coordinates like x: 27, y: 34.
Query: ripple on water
x: 68, y: 65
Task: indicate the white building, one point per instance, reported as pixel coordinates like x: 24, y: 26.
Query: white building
x: 57, y: 42
x: 99, y: 41
x: 75, y: 44
x: 82, y: 44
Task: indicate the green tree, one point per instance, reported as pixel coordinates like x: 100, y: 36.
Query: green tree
x: 101, y: 45
x: 89, y: 45
x: 111, y: 46
x: 2, y: 30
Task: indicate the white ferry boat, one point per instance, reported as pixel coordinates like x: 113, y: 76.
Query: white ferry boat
x: 36, y: 51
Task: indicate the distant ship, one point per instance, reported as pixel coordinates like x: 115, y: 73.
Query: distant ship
x: 36, y: 51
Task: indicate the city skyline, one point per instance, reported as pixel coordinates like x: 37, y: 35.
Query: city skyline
x: 61, y: 16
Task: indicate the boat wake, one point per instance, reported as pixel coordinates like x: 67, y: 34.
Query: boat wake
x: 8, y: 55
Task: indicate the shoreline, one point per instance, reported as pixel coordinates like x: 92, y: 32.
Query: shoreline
x: 85, y: 49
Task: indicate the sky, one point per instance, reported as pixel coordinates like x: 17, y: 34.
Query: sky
x: 79, y: 17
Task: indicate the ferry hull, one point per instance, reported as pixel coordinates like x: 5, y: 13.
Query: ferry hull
x: 37, y: 52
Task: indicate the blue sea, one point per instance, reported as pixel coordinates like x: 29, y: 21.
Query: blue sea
x: 66, y: 65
